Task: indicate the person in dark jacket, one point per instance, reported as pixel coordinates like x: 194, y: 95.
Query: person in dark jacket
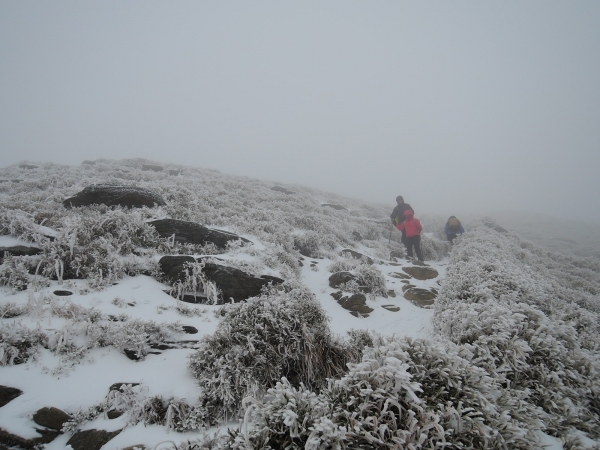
x: 398, y: 215
x: 453, y: 228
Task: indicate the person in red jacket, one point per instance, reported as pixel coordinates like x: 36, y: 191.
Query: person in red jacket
x: 413, y: 230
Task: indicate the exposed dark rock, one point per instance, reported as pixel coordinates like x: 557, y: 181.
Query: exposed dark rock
x: 136, y: 447
x: 421, y: 273
x: 281, y: 189
x: 174, y: 172
x: 14, y: 441
x: 391, y: 293
x: 88, y: 162
x: 392, y: 308
x: 113, y: 195
x: 337, y: 295
x: 193, y: 233
x: 334, y: 206
x: 131, y: 354
x: 233, y: 283
x: 152, y: 167
x: 118, y: 386
x: 420, y: 297
x: 173, y: 266
x: 356, y: 235
x: 114, y: 414
x: 236, y: 284
x: 194, y: 299
x: 356, y: 304
x: 7, y: 394
x: 20, y: 250
x: 406, y: 287
x: 28, y: 166
x: 189, y: 329
x: 397, y: 254
x: 51, y: 418
x: 61, y: 293
x: 356, y: 255
x: 91, y: 439
x: 416, y: 262
x: 340, y: 277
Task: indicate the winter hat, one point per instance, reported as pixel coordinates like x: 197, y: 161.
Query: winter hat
x: 399, y: 198
x: 408, y: 213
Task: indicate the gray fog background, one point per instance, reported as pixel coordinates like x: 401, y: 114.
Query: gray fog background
x: 463, y: 107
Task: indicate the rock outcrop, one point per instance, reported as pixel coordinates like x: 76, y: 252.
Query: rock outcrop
x: 193, y: 233
x: 339, y: 278
x: 233, y: 283
x: 356, y: 304
x: 51, y: 417
x: 91, y: 439
x: 20, y: 250
x: 420, y: 297
x: 281, y: 189
x: 356, y: 255
x: 421, y: 273
x: 114, y: 195
x: 8, y: 394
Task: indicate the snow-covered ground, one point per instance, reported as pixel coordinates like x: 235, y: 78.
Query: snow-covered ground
x: 487, y: 285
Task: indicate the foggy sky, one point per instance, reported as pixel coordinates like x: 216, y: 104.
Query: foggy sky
x: 462, y: 107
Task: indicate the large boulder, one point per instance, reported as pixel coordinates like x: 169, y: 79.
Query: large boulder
x: 91, y: 439
x: 356, y: 304
x: 233, y: 283
x: 20, y: 250
x: 420, y: 297
x: 114, y: 195
x: 236, y: 284
x: 421, y: 273
x: 173, y: 266
x: 51, y: 417
x: 193, y: 233
x: 339, y: 278
x: 8, y: 394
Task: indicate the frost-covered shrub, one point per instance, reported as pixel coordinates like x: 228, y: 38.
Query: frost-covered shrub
x: 309, y: 244
x: 195, y: 282
x: 367, y: 276
x: 14, y: 272
x: 258, y: 342
x: 403, y: 394
x: 433, y: 249
x: 510, y: 315
x: 19, y: 343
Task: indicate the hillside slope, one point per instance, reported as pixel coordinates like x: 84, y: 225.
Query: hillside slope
x: 494, y: 345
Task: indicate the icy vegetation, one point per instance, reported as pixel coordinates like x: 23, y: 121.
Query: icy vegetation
x: 509, y: 357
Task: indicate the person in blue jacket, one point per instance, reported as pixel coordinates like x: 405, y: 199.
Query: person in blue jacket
x: 453, y: 228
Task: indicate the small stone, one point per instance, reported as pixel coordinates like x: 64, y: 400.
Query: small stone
x: 189, y: 329
x: 91, y: 439
x: 392, y: 308
x: 8, y: 394
x: 51, y: 418
x: 61, y: 293
x: 391, y: 293
x: 421, y: 273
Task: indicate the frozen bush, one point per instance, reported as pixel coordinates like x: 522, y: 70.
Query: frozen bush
x: 282, y: 333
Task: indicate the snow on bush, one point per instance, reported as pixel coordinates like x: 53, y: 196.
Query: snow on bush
x: 280, y: 334
x: 505, y: 304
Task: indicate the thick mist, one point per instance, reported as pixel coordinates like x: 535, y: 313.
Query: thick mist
x: 462, y: 108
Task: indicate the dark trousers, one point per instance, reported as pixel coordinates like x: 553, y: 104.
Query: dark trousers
x: 414, y: 241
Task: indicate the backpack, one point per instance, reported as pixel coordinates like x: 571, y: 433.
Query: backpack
x: 453, y: 224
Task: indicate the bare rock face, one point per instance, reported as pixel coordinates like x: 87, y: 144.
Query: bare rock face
x: 193, y: 233
x: 7, y: 394
x: 356, y: 304
x: 421, y: 273
x: 91, y: 439
x: 236, y: 284
x: 339, y: 278
x: 420, y: 297
x: 233, y: 283
x: 51, y: 417
x: 114, y: 195
x: 19, y: 250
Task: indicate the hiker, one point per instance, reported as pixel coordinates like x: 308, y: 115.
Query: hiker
x: 413, y: 229
x: 453, y: 227
x: 398, y: 215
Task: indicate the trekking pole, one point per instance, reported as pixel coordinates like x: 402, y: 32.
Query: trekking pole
x: 391, y: 229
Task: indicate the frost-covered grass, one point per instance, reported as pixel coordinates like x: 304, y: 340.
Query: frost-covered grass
x: 514, y: 353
